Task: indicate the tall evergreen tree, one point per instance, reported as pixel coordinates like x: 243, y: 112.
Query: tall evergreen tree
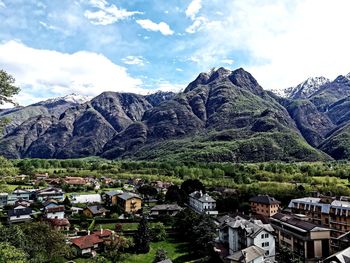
x: 142, y: 237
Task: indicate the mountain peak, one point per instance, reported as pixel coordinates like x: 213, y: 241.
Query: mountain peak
x: 73, y: 98
x: 306, y: 88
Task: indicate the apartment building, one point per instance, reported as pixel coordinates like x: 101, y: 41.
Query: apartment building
x: 264, y: 205
x: 309, y: 241
x: 202, y: 203
x: 326, y: 211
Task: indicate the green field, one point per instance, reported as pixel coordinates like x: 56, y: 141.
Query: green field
x: 176, y: 251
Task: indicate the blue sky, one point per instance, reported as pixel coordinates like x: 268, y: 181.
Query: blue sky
x: 56, y: 47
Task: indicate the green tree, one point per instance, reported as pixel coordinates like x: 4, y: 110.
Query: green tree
x: 160, y: 255
x: 9, y: 253
x: 142, y: 237
x: 7, y: 91
x: 158, y: 232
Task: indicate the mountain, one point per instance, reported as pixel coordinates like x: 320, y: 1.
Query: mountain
x: 222, y: 115
x: 50, y: 107
x: 303, y: 90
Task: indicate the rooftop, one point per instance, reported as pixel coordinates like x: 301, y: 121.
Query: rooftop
x: 128, y: 195
x: 248, y: 254
x: 87, y: 241
x: 297, y: 222
x: 264, y: 199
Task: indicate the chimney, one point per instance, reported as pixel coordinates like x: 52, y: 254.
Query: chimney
x: 88, y: 232
x: 101, y: 230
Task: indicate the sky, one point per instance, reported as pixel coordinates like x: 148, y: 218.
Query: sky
x: 58, y: 47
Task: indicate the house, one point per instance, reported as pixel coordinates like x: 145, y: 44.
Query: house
x: 129, y: 202
x: 202, y: 203
x: 76, y: 181
x: 21, y: 177
x: 40, y: 177
x: 95, y: 210
x: 110, y: 197
x: 86, y: 199
x: 252, y: 254
x: 25, y: 203
x: 62, y: 224
x: 50, y: 193
x: 306, y: 239
x: 339, y: 257
x: 166, y: 209
x: 3, y: 199
x: 326, y: 211
x: 20, y: 194
x: 89, y: 244
x: 264, y: 205
x: 19, y: 214
x: 55, y: 212
x: 239, y: 233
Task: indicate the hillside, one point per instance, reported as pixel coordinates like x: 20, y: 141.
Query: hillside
x: 222, y: 115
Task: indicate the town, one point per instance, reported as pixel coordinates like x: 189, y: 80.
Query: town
x: 99, y: 216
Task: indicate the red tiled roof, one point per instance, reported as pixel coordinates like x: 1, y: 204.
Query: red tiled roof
x: 59, y: 208
x: 87, y: 241
x: 59, y: 222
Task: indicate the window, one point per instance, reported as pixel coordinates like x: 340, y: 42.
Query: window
x: 264, y: 236
x: 265, y: 244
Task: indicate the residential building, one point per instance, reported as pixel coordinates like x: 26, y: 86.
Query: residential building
x: 55, y: 212
x: 62, y: 224
x: 19, y: 214
x: 50, y: 193
x: 76, y: 181
x: 326, y: 211
x: 202, y: 203
x: 252, y: 254
x: 264, y: 205
x: 3, y: 199
x: 86, y: 199
x: 239, y: 233
x: 309, y: 241
x: 40, y: 177
x: 110, y: 197
x: 166, y: 209
x: 91, y: 243
x: 95, y: 210
x: 129, y: 202
x: 20, y: 194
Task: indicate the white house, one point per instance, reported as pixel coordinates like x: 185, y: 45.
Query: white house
x: 86, y: 199
x: 50, y: 193
x: 54, y: 212
x: 202, y: 203
x: 239, y: 233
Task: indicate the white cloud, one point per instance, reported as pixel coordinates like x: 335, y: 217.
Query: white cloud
x: 167, y: 86
x: 149, y: 25
x: 107, y: 14
x: 47, y: 26
x: 45, y: 73
x: 227, y: 61
x: 179, y: 69
x: 193, y: 8
x: 285, y: 41
x: 2, y: 4
x: 134, y: 60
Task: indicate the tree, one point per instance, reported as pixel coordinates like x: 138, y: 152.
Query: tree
x: 142, y: 237
x: 9, y: 253
x: 116, y: 248
x: 174, y: 194
x: 37, y: 240
x: 203, y: 235
x: 7, y: 91
x: 160, y: 255
x: 158, y: 232
x: 191, y: 185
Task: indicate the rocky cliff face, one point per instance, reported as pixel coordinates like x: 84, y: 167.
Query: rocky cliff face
x: 222, y: 115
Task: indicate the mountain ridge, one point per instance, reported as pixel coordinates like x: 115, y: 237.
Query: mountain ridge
x: 222, y: 115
